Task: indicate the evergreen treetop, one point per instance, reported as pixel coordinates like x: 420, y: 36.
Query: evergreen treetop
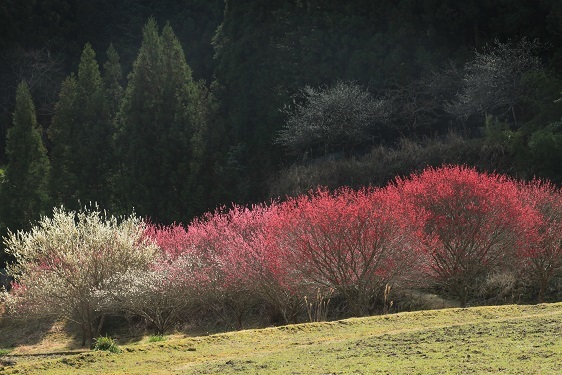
x: 25, y: 187
x: 159, y: 122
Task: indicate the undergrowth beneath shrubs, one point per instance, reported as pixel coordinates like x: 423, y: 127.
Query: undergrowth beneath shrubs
x: 156, y: 338
x: 106, y: 343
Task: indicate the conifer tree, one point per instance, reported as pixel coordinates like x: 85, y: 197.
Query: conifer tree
x: 160, y: 121
x: 82, y: 132
x: 25, y: 187
x: 112, y: 81
x: 138, y: 125
x: 112, y: 78
x: 95, y: 132
x: 61, y: 133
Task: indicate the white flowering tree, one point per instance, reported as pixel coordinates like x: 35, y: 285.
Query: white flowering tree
x: 160, y: 295
x: 497, y: 80
x: 332, y: 119
x: 64, y: 260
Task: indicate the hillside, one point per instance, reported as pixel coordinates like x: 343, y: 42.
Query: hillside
x: 507, y: 339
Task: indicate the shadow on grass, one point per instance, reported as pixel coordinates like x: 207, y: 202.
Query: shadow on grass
x: 54, y: 336
x: 16, y: 332
x: 123, y: 330
x: 126, y: 331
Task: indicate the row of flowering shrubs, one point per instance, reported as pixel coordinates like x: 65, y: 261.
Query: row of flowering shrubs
x: 451, y: 227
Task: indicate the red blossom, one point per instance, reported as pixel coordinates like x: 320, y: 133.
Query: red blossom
x: 468, y: 223
x: 541, y: 250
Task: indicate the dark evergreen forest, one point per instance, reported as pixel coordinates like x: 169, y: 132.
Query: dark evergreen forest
x: 174, y: 108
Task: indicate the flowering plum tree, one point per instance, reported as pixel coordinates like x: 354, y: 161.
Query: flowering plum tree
x: 542, y: 250
x: 497, y: 80
x: 334, y: 118
x: 467, y: 224
x: 62, y: 261
x: 272, y: 275
x: 349, y: 241
x: 160, y: 295
x: 243, y: 262
x: 172, y: 240
x: 227, y: 289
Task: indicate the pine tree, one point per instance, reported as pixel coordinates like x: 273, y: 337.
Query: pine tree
x: 112, y: 82
x: 62, y: 133
x: 112, y: 78
x: 160, y: 121
x: 25, y: 188
x: 178, y: 99
x: 82, y: 132
x: 138, y: 126
x: 95, y: 132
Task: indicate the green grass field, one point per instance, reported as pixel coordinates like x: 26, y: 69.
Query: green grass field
x: 506, y: 339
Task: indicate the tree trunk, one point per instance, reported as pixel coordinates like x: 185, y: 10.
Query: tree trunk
x: 100, y: 325
x: 514, y: 117
x: 542, y: 290
x: 462, y: 293
x: 83, y: 335
x: 239, y: 321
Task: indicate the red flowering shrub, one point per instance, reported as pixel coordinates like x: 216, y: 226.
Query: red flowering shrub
x: 350, y: 241
x: 469, y: 224
x: 172, y: 240
x: 453, y: 225
x: 262, y: 260
x: 541, y: 253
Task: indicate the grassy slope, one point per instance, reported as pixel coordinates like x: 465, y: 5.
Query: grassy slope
x: 506, y: 339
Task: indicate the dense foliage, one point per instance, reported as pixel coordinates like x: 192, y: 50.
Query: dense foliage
x: 82, y: 153
x: 161, y: 133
